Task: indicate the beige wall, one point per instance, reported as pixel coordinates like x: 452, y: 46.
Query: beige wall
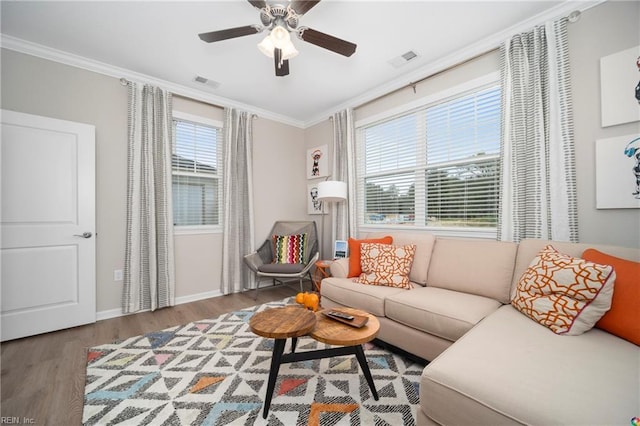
x: 37, y: 86
x: 601, y: 31
x: 315, y: 136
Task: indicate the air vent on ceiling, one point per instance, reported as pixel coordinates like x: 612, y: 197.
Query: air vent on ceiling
x: 403, y: 59
x: 206, y: 81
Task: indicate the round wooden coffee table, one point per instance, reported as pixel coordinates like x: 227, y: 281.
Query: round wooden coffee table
x: 295, y: 321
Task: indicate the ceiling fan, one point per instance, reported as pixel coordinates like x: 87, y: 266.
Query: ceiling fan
x: 280, y: 21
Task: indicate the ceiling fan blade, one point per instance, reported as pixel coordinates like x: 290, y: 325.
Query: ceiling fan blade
x: 230, y: 33
x: 282, y: 67
x: 258, y: 3
x: 303, y: 6
x: 327, y: 41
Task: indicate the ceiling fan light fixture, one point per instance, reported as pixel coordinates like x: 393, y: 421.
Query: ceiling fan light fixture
x: 280, y: 37
x: 266, y: 46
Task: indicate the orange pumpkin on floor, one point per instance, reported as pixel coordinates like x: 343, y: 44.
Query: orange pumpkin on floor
x: 300, y: 298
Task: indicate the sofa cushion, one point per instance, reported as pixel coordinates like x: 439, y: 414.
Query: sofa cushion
x: 355, y: 250
x: 424, y: 242
x: 345, y: 291
x: 444, y: 313
x: 529, y: 248
x: 567, y: 294
x: 480, y: 267
x: 386, y: 264
x: 622, y: 319
x: 289, y: 248
x: 509, y: 369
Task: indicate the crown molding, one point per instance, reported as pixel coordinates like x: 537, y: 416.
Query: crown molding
x: 66, y: 58
x: 482, y: 46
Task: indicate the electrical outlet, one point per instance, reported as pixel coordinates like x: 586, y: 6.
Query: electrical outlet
x: 117, y: 275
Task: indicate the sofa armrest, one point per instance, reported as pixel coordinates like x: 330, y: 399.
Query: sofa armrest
x: 340, y: 268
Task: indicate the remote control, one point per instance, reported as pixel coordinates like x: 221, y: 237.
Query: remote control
x: 341, y: 315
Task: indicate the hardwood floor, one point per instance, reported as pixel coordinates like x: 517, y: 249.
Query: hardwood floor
x: 43, y: 376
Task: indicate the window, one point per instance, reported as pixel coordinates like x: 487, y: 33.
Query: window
x: 197, y: 174
x: 436, y: 166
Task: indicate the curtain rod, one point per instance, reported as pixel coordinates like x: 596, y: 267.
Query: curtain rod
x: 125, y: 82
x: 413, y: 84
x: 572, y: 18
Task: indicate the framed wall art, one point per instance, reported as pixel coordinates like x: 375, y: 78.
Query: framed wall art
x: 618, y: 172
x: 620, y: 87
x: 314, y: 206
x: 318, y: 162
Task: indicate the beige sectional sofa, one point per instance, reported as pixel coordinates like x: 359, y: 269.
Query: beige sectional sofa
x: 490, y: 364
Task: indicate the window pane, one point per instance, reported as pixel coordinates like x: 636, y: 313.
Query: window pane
x: 435, y: 166
x: 196, y: 174
x: 195, y: 201
x: 390, y: 199
x: 464, y: 195
x: 464, y: 127
x: 391, y: 145
x: 195, y: 148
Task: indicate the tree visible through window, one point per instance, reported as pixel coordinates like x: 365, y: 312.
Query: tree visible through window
x: 437, y: 166
x: 196, y: 174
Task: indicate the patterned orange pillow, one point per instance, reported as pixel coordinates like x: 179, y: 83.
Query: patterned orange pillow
x: 566, y: 294
x: 385, y: 264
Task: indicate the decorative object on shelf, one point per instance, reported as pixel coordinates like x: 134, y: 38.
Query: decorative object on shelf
x: 330, y: 191
x: 317, y: 162
x: 619, y: 87
x: 618, y: 172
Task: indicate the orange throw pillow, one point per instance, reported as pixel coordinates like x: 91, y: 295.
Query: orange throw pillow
x: 354, y: 253
x: 622, y: 319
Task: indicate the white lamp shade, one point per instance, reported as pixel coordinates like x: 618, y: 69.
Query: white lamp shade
x: 280, y: 37
x: 266, y: 46
x: 332, y: 190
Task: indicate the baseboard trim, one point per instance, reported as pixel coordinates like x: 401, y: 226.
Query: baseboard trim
x: 115, y: 313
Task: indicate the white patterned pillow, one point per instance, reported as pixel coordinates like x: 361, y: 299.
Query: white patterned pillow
x: 386, y: 264
x: 568, y: 295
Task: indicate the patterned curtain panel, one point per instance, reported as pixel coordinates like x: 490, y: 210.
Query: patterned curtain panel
x: 238, y: 230
x: 344, y: 169
x: 149, y: 277
x: 538, y: 197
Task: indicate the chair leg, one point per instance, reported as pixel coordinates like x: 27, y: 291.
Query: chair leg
x: 301, y: 287
x: 257, y: 286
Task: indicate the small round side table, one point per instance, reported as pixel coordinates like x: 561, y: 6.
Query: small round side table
x: 322, y: 271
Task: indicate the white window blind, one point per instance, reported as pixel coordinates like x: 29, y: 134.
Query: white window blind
x: 436, y: 166
x: 197, y: 174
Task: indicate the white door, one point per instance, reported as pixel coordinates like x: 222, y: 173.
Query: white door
x: 48, y: 225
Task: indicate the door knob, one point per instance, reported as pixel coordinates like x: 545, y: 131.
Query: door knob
x: 84, y: 235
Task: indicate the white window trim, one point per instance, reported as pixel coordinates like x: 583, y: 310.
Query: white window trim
x: 200, y: 229
x: 455, y: 91
x: 452, y: 92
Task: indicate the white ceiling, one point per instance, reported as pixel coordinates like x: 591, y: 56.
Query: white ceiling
x: 159, y: 39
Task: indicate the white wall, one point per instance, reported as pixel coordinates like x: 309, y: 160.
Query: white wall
x: 37, y: 86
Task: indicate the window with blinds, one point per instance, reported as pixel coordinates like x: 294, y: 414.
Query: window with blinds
x: 436, y: 166
x: 197, y: 174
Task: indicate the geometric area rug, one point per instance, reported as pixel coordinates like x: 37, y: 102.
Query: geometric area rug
x: 214, y: 372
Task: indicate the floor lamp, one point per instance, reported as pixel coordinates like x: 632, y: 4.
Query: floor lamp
x: 330, y: 191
